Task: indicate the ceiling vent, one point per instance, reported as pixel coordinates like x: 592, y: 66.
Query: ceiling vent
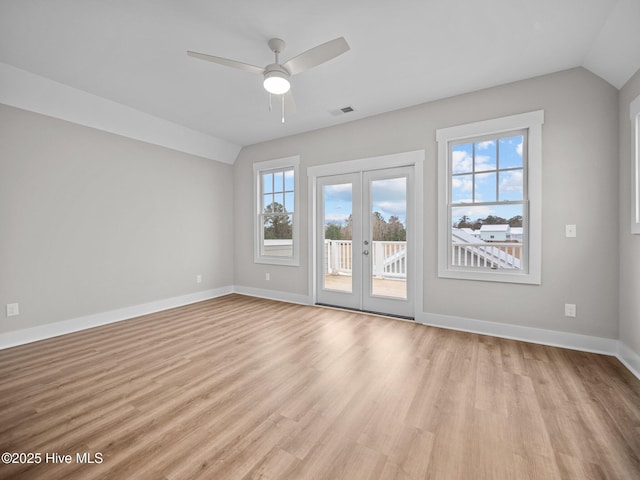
x: 343, y: 110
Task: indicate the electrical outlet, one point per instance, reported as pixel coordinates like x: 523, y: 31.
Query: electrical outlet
x: 569, y: 309
x: 198, y: 278
x: 267, y: 276
x: 13, y: 309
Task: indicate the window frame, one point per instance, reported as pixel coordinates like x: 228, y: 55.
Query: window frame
x: 260, y: 168
x: 634, y: 115
x: 530, y: 122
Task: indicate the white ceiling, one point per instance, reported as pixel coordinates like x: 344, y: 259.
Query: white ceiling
x: 402, y: 53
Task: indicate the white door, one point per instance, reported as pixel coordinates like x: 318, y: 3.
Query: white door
x: 364, y: 241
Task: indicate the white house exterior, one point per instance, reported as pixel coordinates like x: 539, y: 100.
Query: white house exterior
x: 516, y: 234
x: 495, y: 233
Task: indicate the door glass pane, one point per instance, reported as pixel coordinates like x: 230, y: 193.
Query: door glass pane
x: 338, y: 217
x: 388, y: 247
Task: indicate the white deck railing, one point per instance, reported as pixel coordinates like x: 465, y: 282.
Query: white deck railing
x: 488, y: 255
x: 389, y: 258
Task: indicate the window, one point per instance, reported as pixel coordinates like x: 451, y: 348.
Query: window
x: 635, y: 166
x: 276, y: 219
x: 489, y: 186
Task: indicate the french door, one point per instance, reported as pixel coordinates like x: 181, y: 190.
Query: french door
x: 364, y: 241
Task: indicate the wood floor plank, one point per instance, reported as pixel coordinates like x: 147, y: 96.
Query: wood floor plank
x: 242, y: 388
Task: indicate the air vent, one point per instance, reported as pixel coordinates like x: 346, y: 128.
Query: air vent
x: 343, y: 110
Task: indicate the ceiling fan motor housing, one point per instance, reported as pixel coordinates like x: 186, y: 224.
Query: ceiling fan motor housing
x: 276, y: 79
x: 276, y: 45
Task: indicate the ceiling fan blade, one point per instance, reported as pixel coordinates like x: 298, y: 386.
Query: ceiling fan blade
x: 317, y: 55
x: 225, y: 61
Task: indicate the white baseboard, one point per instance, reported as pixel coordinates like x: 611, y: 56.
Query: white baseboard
x: 608, y: 346
x: 554, y: 338
x: 273, y: 295
x: 629, y: 358
x: 33, y: 334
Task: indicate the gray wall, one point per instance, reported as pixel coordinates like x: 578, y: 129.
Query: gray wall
x: 91, y: 222
x: 580, y: 186
x: 629, y: 244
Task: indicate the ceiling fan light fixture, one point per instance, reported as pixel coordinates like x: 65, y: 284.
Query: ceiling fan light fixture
x: 276, y: 82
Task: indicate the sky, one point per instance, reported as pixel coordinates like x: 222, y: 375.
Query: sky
x: 388, y: 197
x: 488, y: 171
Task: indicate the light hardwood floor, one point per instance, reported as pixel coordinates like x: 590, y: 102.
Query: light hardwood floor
x: 245, y: 388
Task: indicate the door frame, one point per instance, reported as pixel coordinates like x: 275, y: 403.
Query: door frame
x: 403, y: 159
x: 344, y: 299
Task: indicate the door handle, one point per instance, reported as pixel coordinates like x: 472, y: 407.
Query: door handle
x: 366, y: 252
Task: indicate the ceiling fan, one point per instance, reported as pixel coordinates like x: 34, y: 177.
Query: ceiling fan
x: 276, y: 75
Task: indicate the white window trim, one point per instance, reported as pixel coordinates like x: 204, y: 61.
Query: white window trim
x: 634, y: 113
x: 258, y: 168
x: 532, y: 121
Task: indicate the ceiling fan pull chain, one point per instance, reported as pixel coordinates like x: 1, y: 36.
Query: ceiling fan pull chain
x: 282, y: 108
x: 269, y: 101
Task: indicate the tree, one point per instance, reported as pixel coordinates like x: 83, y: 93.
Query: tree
x: 464, y: 222
x: 347, y: 230
x: 494, y: 220
x: 395, y: 230
x: 277, y: 223
x: 391, y: 231
x: 516, y: 221
x: 332, y: 232
x: 377, y: 226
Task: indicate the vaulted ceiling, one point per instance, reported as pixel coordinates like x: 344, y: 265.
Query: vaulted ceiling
x: 402, y: 53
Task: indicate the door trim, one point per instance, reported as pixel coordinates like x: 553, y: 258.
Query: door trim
x: 413, y: 158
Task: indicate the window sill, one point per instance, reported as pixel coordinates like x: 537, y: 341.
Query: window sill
x: 493, y: 276
x: 289, y: 262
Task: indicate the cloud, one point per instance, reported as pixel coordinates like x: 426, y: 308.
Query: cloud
x: 337, y: 218
x: 511, y: 181
x: 461, y: 161
x: 460, y: 184
x: 338, y: 193
x: 473, y: 213
x: 519, y: 148
x: 485, y: 145
x: 485, y: 162
x: 390, y: 188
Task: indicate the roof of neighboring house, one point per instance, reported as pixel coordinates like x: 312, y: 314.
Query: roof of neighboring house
x: 459, y: 235
x: 495, y: 228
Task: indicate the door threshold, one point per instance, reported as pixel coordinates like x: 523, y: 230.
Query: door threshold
x: 371, y: 312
